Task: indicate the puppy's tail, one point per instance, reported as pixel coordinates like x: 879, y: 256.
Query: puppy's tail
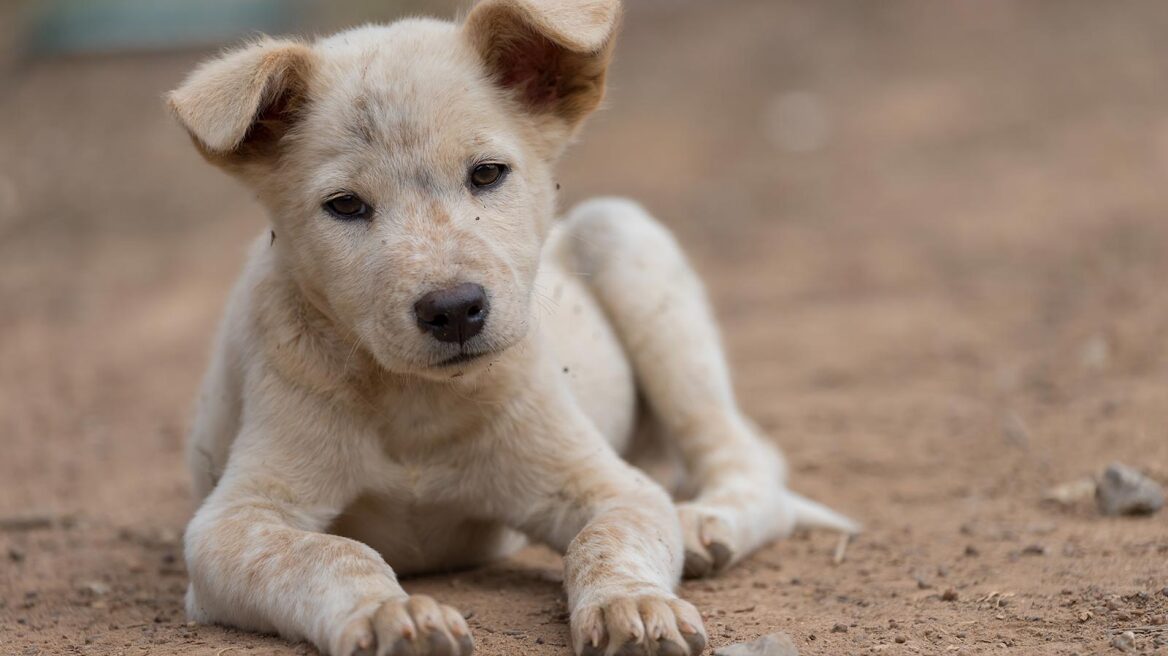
x: 812, y: 514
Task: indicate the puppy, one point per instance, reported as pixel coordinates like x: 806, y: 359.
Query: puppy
x: 421, y: 367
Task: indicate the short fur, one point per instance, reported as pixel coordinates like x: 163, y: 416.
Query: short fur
x: 332, y: 450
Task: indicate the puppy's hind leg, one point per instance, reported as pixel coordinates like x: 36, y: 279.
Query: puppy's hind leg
x: 659, y: 308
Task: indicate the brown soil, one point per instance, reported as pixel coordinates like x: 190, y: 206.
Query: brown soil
x: 940, y: 267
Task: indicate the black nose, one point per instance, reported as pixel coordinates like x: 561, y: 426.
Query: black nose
x: 455, y: 314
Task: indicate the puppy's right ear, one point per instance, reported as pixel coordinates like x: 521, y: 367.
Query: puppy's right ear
x: 243, y: 102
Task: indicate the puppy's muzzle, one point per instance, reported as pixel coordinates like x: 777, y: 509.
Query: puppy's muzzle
x: 453, y: 315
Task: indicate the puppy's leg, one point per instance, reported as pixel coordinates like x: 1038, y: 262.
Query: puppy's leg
x: 552, y: 475
x: 659, y: 308
x: 257, y: 556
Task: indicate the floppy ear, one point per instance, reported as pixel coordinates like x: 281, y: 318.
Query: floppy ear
x: 244, y: 101
x: 551, y: 54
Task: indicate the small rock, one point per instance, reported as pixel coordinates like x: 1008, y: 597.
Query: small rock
x: 900, y: 640
x: 1125, y: 491
x: 95, y: 588
x: 1034, y: 550
x: 1068, y: 494
x: 949, y: 595
x: 1085, y: 615
x: 971, y: 550
x: 1125, y: 641
x: 775, y: 644
x: 839, y: 628
x: 15, y: 554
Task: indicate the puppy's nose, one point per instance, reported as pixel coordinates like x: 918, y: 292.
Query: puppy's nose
x: 455, y: 314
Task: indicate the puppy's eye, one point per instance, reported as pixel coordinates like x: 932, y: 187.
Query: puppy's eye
x: 347, y: 207
x: 487, y: 175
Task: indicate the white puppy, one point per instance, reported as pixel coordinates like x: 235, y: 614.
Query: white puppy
x: 421, y: 366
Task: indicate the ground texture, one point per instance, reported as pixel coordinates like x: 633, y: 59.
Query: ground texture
x: 937, y: 238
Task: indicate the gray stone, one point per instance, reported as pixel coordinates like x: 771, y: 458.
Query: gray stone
x: 1125, y: 641
x: 775, y: 644
x: 1125, y: 491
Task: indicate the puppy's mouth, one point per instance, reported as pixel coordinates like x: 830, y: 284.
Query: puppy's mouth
x: 461, y: 358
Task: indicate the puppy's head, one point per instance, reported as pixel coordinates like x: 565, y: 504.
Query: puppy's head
x: 408, y: 168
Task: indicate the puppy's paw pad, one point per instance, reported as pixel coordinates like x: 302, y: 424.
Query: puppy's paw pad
x: 406, y: 627
x: 638, y: 625
x: 709, y: 541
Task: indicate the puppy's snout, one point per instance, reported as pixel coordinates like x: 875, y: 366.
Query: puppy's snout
x: 455, y: 314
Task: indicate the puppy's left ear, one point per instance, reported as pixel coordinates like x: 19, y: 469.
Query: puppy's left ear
x: 552, y: 55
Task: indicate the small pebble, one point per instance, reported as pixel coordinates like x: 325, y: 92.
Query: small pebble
x: 15, y: 554
x: 1068, y: 494
x: 95, y: 588
x: 1125, y: 491
x: 1125, y: 641
x: 839, y: 628
x: 949, y: 595
x: 775, y: 644
x: 1085, y: 615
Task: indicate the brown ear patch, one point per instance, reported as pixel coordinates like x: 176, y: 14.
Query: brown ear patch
x: 531, y: 65
x: 553, y: 54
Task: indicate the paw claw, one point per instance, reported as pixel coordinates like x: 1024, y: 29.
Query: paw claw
x: 696, y: 565
x: 637, y: 625
x: 722, y: 555
x: 696, y: 642
x: 709, y: 540
x: 670, y: 648
x: 407, y: 627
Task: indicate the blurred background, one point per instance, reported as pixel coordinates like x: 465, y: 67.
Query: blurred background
x: 936, y: 235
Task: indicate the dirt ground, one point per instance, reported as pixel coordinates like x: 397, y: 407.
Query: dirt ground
x: 935, y: 233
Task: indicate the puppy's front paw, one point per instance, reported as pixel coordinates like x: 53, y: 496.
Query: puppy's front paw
x: 406, y: 627
x: 709, y: 540
x: 638, y: 625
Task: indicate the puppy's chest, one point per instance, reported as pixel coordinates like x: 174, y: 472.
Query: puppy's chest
x: 426, y: 457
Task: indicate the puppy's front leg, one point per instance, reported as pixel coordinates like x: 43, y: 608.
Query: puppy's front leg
x: 618, y: 529
x: 258, y: 559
